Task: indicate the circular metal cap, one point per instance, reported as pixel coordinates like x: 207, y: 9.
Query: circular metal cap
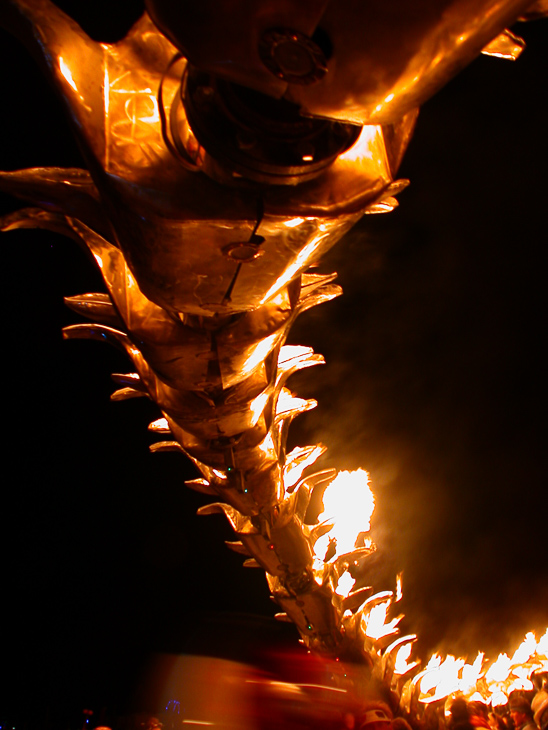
x: 292, y: 56
x: 243, y: 251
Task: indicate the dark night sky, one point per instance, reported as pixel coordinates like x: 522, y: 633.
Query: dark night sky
x: 434, y: 382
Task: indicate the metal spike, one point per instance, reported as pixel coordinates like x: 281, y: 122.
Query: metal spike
x: 305, y: 453
x: 127, y: 394
x: 325, y: 294
x: 283, y: 617
x: 36, y: 218
x: 166, y: 446
x: 410, y: 638
x: 129, y: 380
x: 296, y: 357
x: 397, y: 186
x: 356, y: 599
x: 302, y: 501
x: 237, y: 546
x: 319, y: 530
x: 98, y: 332
x: 251, y: 563
x: 319, y: 477
x: 291, y: 362
x: 381, y: 597
x: 382, y: 206
x: 237, y: 519
x: 96, y: 305
x: 355, y: 555
x: 295, y: 406
x: 298, y: 460
x: 159, y: 426
x: 311, y: 281
x: 200, y: 485
x: 506, y: 45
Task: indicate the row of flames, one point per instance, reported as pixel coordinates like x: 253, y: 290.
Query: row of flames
x: 348, y: 505
x: 490, y: 682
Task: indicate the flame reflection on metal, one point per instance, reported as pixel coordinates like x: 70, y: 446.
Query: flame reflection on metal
x: 206, y: 269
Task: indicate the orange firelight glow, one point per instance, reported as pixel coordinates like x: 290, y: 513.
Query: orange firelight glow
x: 489, y: 681
x: 348, y: 503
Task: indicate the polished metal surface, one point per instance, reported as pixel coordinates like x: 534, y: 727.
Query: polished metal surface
x: 383, y: 58
x: 206, y: 265
x: 175, y: 226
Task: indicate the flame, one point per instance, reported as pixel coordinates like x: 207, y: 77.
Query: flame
x: 499, y: 670
x: 348, y: 503
x: 498, y: 699
x: 442, y: 680
x: 470, y: 674
x: 399, y: 591
x: 492, y: 682
x: 345, y: 584
x: 374, y: 621
x: 525, y: 649
x: 542, y: 646
x: 520, y: 684
x: 476, y: 697
x: 401, y: 663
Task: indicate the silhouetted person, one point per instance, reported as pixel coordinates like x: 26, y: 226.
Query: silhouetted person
x: 460, y: 716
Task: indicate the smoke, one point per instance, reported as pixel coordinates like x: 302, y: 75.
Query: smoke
x: 434, y: 379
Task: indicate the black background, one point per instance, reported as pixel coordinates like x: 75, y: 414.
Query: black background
x: 435, y: 383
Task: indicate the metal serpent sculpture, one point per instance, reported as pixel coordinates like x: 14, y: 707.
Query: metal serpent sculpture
x: 210, y: 191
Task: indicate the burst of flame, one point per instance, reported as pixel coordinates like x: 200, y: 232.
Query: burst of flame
x: 499, y: 670
x: 348, y: 503
x: 520, y: 683
x: 525, y: 649
x: 443, y: 680
x: 470, y: 674
x: 542, y: 646
x: 498, y: 698
x: 492, y: 682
